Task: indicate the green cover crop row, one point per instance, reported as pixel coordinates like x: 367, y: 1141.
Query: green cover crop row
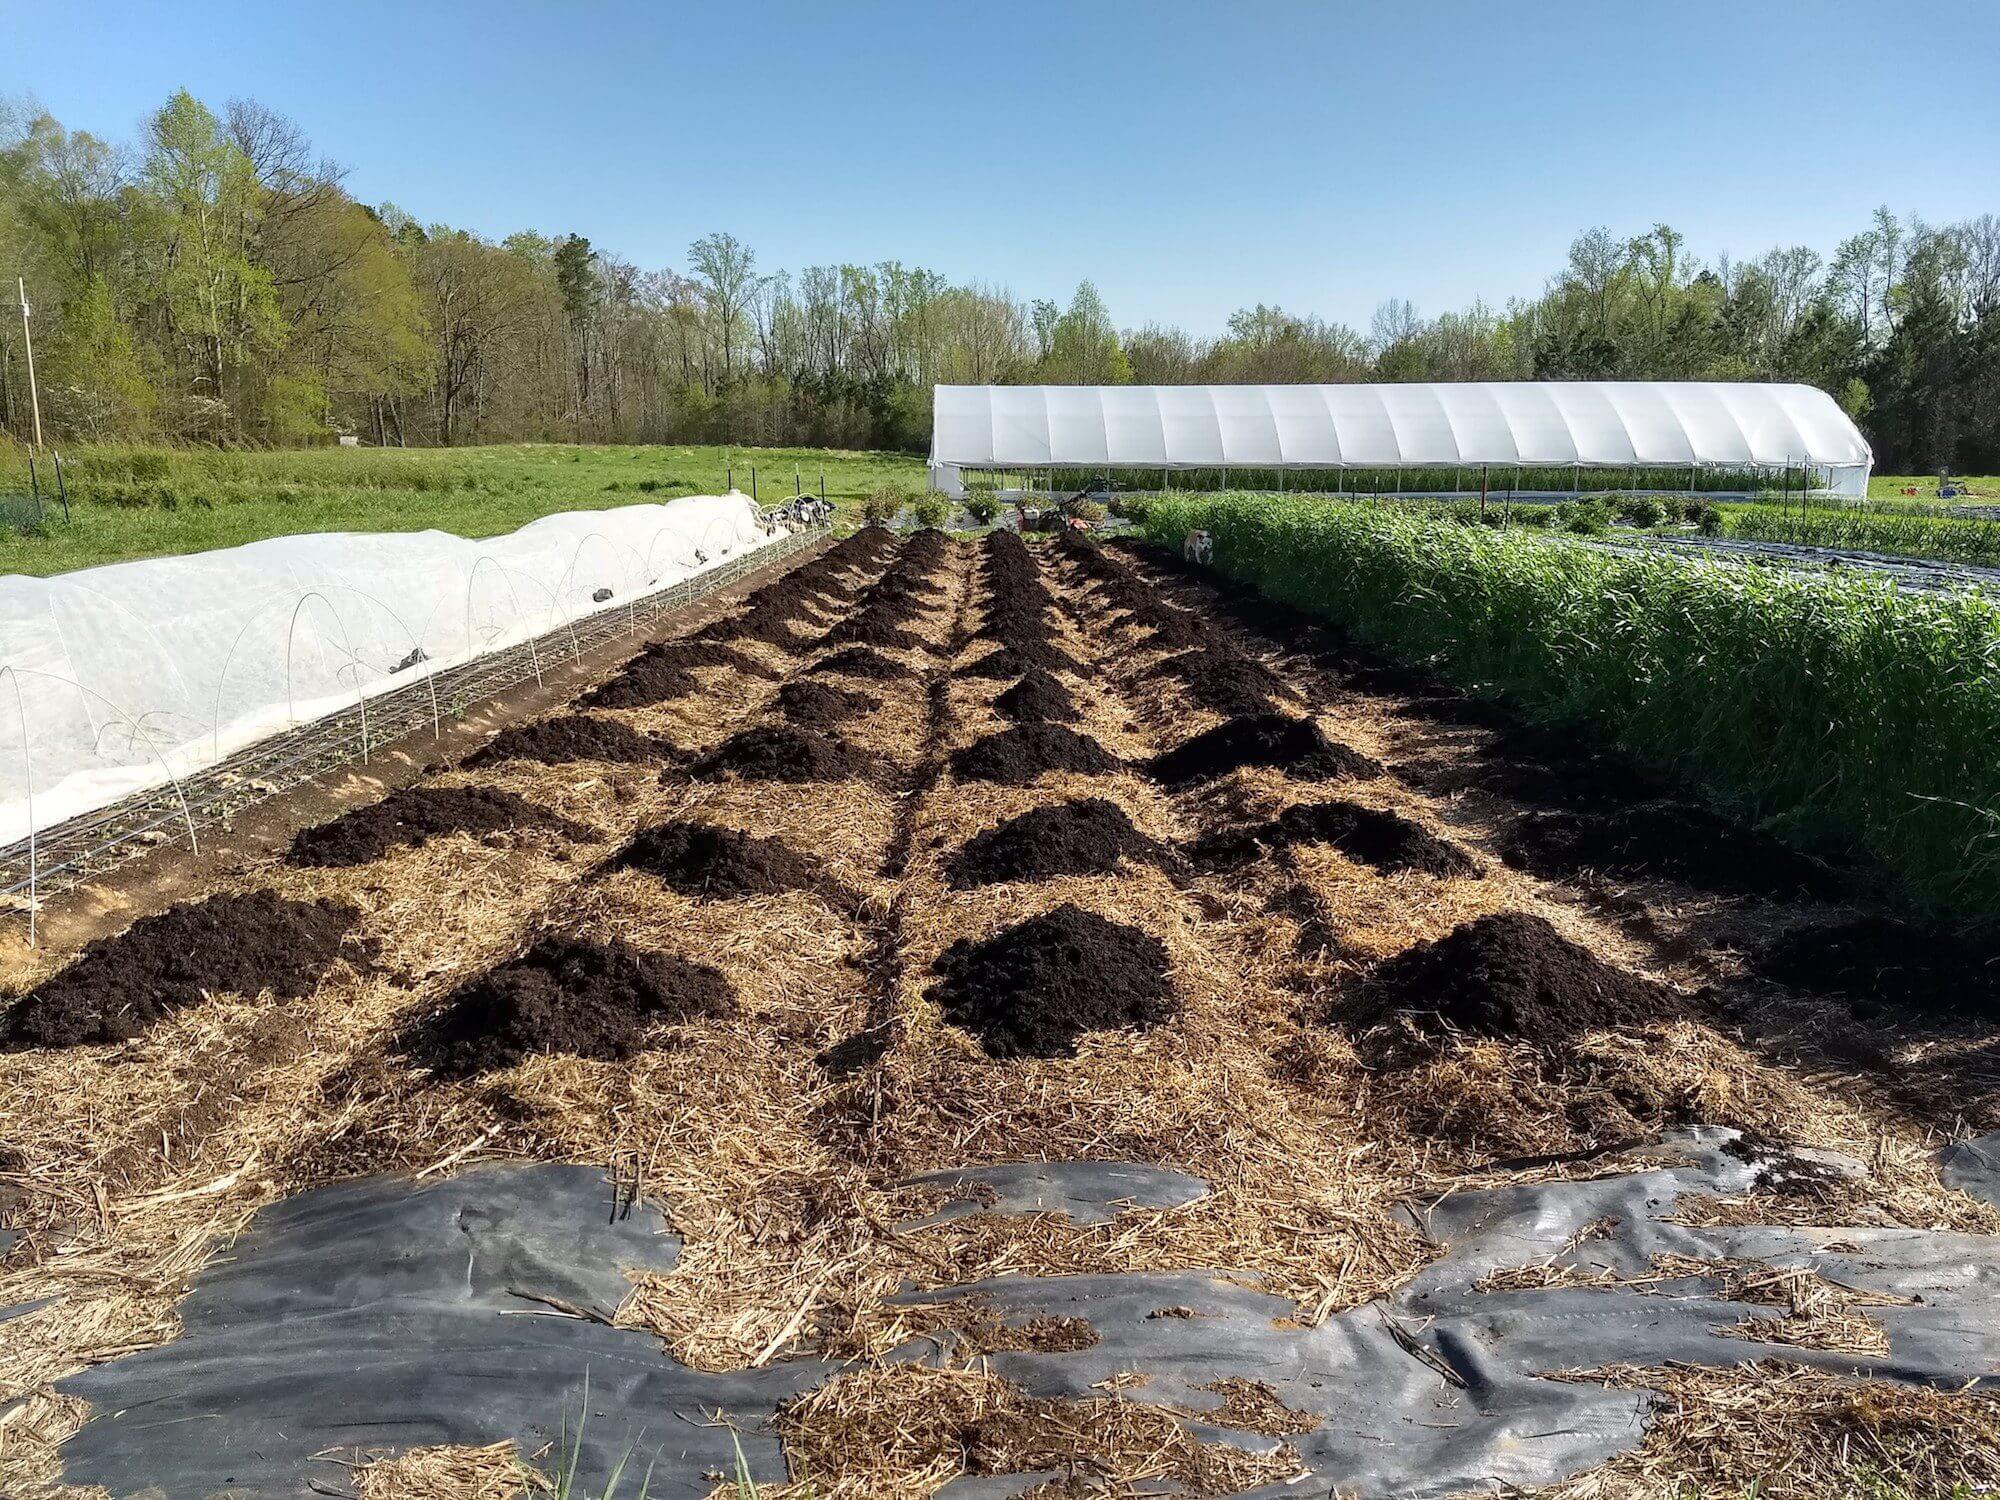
x: 1845, y: 715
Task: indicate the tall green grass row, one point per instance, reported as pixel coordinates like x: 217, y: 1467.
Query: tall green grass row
x: 1963, y: 539
x: 1843, y: 714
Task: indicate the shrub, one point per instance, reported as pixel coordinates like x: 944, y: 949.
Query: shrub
x: 932, y: 511
x: 982, y: 507
x: 1642, y: 511
x: 880, y: 505
x: 1089, y: 510
x: 1581, y: 517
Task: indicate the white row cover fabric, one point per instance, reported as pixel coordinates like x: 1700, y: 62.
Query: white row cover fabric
x: 1558, y: 423
x: 126, y: 676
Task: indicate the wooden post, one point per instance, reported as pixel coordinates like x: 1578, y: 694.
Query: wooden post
x: 28, y: 347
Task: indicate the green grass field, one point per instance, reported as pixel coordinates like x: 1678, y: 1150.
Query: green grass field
x: 150, y: 502
x: 1980, y: 487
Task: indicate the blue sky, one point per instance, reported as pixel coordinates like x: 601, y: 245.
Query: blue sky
x: 1189, y: 158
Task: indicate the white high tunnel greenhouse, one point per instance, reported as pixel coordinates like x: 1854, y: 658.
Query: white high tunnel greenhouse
x: 1493, y: 425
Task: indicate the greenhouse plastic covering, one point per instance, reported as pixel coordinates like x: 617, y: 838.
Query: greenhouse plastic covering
x: 121, y: 678
x: 1592, y: 424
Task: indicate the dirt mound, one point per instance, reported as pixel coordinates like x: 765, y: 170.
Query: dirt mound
x: 1877, y: 962
x: 816, y: 705
x: 578, y: 999
x: 1225, y: 682
x: 870, y: 628
x: 119, y: 986
x: 1038, y: 698
x: 928, y: 547
x: 1175, y: 630
x: 665, y: 671
x: 717, y: 863
x: 1297, y: 747
x: 1086, y: 837
x: 1662, y: 841
x: 1368, y: 835
x: 1016, y: 660
x: 569, y: 737
x: 768, y: 625
x: 1037, y: 987
x: 778, y: 752
x: 869, y: 547
x: 1015, y: 757
x: 859, y: 661
x: 417, y: 814
x: 1509, y: 976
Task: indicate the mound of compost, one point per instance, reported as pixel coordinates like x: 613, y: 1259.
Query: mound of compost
x: 817, y: 705
x: 1037, y: 987
x: 1543, y: 767
x: 1662, y: 841
x: 414, y: 815
x: 1015, y: 660
x: 665, y: 671
x: 782, y: 752
x: 1223, y: 681
x: 871, y: 544
x: 1086, y: 837
x: 869, y: 628
x: 242, y: 945
x: 927, y: 546
x: 1877, y: 962
x: 568, y: 997
x: 1015, y: 757
x: 1511, y: 976
x: 1367, y: 835
x: 768, y: 626
x: 714, y: 863
x: 1175, y: 630
x: 1038, y: 698
x: 569, y: 737
x: 1298, y: 747
x: 859, y: 661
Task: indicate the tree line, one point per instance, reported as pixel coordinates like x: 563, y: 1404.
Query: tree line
x: 214, y: 281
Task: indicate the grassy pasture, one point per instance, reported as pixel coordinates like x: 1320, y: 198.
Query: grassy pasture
x: 130, y: 502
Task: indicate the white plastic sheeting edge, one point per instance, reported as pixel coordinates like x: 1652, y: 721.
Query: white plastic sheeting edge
x: 126, y: 677
x: 1595, y: 424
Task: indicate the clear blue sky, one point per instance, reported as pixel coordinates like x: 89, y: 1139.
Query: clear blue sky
x: 1189, y: 158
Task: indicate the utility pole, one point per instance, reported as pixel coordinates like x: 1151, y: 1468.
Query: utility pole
x: 28, y: 344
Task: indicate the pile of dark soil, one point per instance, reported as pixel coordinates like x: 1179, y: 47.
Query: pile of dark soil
x: 1015, y: 660
x: 816, y: 705
x: 768, y: 625
x: 665, y: 671
x: 242, y: 945
x: 1509, y: 976
x: 1297, y: 747
x: 1033, y: 990
x: 872, y: 627
x: 570, y: 737
x: 1225, y: 682
x: 1368, y: 835
x: 1015, y: 757
x: 871, y: 546
x: 568, y: 997
x: 1875, y: 963
x: 780, y: 752
x: 414, y: 815
x: 859, y: 661
x: 1086, y: 837
x: 1176, y: 630
x: 1542, y: 767
x: 1671, y: 841
x: 927, y: 547
x: 1038, y: 698
x: 716, y: 863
